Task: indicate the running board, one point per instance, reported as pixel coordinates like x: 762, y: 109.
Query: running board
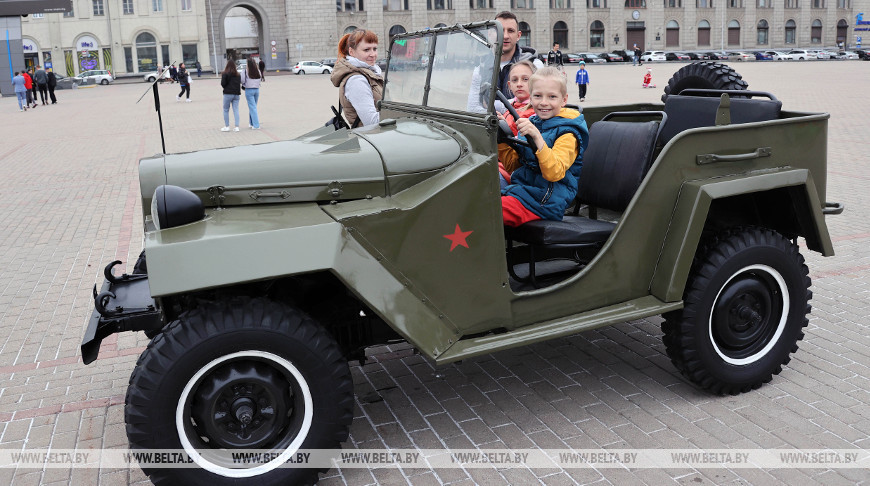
x: 626, y: 311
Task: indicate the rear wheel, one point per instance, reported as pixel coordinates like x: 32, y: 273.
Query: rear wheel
x: 151, y: 79
x: 745, y: 305
x: 301, y: 71
x: 704, y: 75
x: 104, y: 82
x: 243, y: 374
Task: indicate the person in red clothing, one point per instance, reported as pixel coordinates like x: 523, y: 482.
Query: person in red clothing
x: 647, y: 79
x: 28, y: 83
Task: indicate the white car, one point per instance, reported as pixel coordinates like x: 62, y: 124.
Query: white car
x: 802, y: 55
x: 303, y: 67
x: 98, y: 76
x: 826, y: 55
x: 149, y: 77
x: 846, y: 55
x: 650, y: 56
x: 778, y: 55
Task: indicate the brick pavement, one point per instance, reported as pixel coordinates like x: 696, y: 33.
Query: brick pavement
x: 69, y: 203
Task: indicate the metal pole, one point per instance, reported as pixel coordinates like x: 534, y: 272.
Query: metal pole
x: 213, y: 34
x: 723, y: 24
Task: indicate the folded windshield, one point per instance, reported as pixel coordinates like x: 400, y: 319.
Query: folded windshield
x: 461, y: 69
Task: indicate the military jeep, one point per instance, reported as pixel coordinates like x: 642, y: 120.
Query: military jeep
x: 267, y: 268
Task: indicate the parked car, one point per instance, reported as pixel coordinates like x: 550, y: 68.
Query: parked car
x: 649, y: 56
x: 862, y: 54
x: 846, y: 55
x: 627, y: 56
x: 717, y: 56
x: 382, y: 63
x: 65, y: 82
x: 96, y: 76
x: 329, y: 62
x: 589, y: 57
x: 149, y: 77
x: 303, y: 67
x: 572, y: 57
x: 698, y: 56
x: 801, y: 55
x: 777, y: 55
x: 611, y: 57
x: 677, y: 56
x: 740, y: 56
x: 763, y: 56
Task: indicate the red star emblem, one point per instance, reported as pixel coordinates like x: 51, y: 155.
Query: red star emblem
x: 458, y: 238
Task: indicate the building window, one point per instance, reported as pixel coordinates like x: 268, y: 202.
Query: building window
x: 703, y: 33
x: 703, y: 3
x: 186, y: 5
x: 816, y: 32
x: 842, y: 30
x: 522, y: 3
x: 560, y: 34
x: 763, y: 29
x: 763, y: 4
x: 842, y: 4
x: 439, y: 4
x: 672, y: 34
x: 164, y: 51
x: 396, y: 30
x: 560, y: 3
x: 525, y: 35
x: 71, y: 12
x: 38, y: 15
x: 189, y: 54
x: 478, y: 4
x: 734, y: 33
x: 128, y: 58
x: 146, y: 52
x: 596, y: 34
x: 349, y: 29
x: 790, y: 28
x: 596, y: 3
x: 635, y: 3
x: 791, y: 3
x: 735, y: 3
x: 157, y: 5
x: 349, y: 5
x: 98, y: 8
x: 673, y: 3
x: 395, y: 4
x: 128, y: 7
x: 818, y: 3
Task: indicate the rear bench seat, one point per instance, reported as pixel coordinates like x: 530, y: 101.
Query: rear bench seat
x: 687, y: 111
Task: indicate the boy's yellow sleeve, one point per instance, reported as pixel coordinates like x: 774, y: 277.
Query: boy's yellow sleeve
x: 509, y: 157
x: 554, y: 162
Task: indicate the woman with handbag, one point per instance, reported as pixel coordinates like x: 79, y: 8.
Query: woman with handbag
x: 184, y: 81
x: 358, y: 78
x: 251, y: 78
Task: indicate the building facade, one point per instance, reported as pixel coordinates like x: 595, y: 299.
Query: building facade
x: 134, y: 36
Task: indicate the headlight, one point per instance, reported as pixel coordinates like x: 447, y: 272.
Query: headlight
x: 174, y: 206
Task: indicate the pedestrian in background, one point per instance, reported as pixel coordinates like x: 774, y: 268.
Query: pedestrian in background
x: 582, y: 80
x: 42, y: 83
x: 28, y: 83
x: 184, y: 81
x: 231, y: 82
x: 251, y: 78
x: 52, y: 83
x: 637, y: 54
x: 198, y: 69
x: 634, y: 55
x: 20, y: 91
x: 173, y: 74
x: 554, y: 58
x: 32, y: 72
x: 262, y: 66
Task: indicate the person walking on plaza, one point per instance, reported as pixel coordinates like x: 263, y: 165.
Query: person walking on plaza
x: 173, y: 74
x: 198, y: 69
x: 28, y: 83
x: 231, y: 82
x: 262, y: 66
x: 32, y: 72
x: 52, y: 83
x: 634, y: 55
x: 554, y: 58
x: 251, y: 78
x: 637, y: 54
x: 42, y: 83
x: 184, y: 81
x: 582, y: 80
x: 20, y: 91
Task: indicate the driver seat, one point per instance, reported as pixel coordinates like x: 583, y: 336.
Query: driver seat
x: 614, y: 165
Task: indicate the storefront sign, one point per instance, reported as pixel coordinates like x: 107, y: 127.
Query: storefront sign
x: 28, y: 46
x: 86, y: 43
x: 859, y: 20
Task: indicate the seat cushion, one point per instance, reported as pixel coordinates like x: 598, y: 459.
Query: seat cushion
x: 573, y: 230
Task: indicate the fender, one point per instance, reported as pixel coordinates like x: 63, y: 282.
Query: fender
x: 288, y: 240
x: 693, y: 206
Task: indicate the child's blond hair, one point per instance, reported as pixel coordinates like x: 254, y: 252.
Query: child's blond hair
x: 525, y: 63
x: 549, y: 72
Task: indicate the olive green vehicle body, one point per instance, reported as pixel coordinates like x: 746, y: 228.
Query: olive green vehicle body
x: 373, y: 206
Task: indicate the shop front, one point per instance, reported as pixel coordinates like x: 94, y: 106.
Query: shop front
x: 87, y: 54
x: 31, y: 53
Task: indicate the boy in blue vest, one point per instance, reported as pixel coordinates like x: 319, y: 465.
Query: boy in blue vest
x: 543, y: 183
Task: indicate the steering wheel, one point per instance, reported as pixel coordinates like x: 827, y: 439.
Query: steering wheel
x: 506, y: 132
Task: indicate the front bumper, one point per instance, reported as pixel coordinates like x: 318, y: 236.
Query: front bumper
x: 123, y: 304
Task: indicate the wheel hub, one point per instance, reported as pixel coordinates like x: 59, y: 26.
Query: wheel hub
x: 746, y: 314
x: 242, y: 404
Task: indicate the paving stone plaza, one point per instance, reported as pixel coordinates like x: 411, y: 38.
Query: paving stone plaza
x: 69, y: 204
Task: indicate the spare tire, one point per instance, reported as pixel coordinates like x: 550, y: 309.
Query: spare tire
x: 704, y: 75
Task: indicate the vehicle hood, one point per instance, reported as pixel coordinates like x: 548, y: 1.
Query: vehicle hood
x: 323, y: 165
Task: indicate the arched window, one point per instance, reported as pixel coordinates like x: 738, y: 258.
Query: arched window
x: 790, y: 28
x: 440, y: 24
x: 734, y: 33
x: 672, y: 34
x: 703, y: 33
x: 560, y: 34
x: 396, y: 30
x: 349, y: 29
x: 842, y: 30
x: 596, y: 34
x: 525, y: 35
x: 146, y: 52
x: 816, y: 32
x: 763, y: 29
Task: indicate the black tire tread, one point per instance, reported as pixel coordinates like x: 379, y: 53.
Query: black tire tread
x: 704, y: 75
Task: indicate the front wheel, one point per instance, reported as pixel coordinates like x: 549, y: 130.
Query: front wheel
x: 104, y: 82
x: 325, y: 71
x: 745, y: 305
x: 244, y: 374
